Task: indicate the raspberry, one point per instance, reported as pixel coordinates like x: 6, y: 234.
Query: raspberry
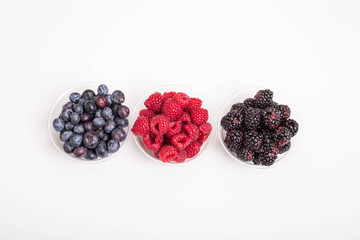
x: 171, y: 109
x: 154, y: 102
x: 194, y: 103
x: 153, y: 143
x: 174, y: 128
x: 182, y: 99
x: 184, y: 117
x: 181, y: 156
x: 159, y: 124
x: 147, y: 113
x: 168, y: 153
x: 192, y: 131
x: 168, y: 95
x: 199, y: 115
x: 203, y: 137
x: 141, y: 126
x: 181, y: 141
x: 193, y: 149
x: 205, y: 128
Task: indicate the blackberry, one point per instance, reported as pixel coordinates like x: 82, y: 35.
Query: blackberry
x: 252, y: 118
x: 263, y: 98
x: 252, y: 140
x: 232, y: 120
x: 285, y: 111
x: 283, y: 136
x: 249, y: 102
x: 268, y: 136
x: 238, y: 106
x: 246, y: 154
x: 233, y: 140
x: 270, y: 149
x: 293, y: 126
x: 270, y: 118
x: 256, y: 159
x: 267, y: 160
x: 284, y: 148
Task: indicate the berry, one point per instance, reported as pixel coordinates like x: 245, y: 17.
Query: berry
x: 182, y: 99
x: 101, y: 102
x: 154, y: 102
x: 233, y: 140
x: 58, y: 124
x: 293, y: 126
x: 75, y: 118
x: 181, y: 141
x: 98, y: 122
x: 69, y: 126
x: 89, y: 107
x: 184, y: 117
x: 205, y: 128
x: 270, y: 149
x: 74, y: 97
x: 141, y: 126
x: 232, y: 120
x: 80, y: 152
x: 79, y: 129
x: 76, y: 140
x: 181, y: 156
x: 102, y: 90
x: 270, y: 118
x: 238, y: 106
x: 284, y: 111
x: 118, y: 134
x: 123, y: 111
x: 168, y: 95
x: 109, y: 126
x: 249, y: 102
x: 84, y: 117
x: 65, y: 114
x: 97, y: 113
x: 153, y: 143
x: 100, y: 133
x: 108, y: 100
x: 88, y: 94
x: 117, y: 97
x: 147, y: 113
x: 168, y: 153
x: 90, y: 155
x: 68, y: 148
x: 107, y: 113
x: 171, y: 109
x: 66, y: 135
x: 283, y: 135
x: 263, y: 98
x: 194, y: 103
x: 192, y: 131
x: 174, y: 128
x: 121, y: 122
x: 267, y: 160
x: 113, y: 146
x: 252, y: 140
x: 284, y: 148
x: 203, y: 137
x: 89, y: 126
x: 246, y: 154
x: 67, y: 105
x: 101, y: 150
x: 252, y: 118
x: 159, y: 124
x: 78, y: 108
x: 199, y: 115
x: 91, y: 140
x: 193, y: 149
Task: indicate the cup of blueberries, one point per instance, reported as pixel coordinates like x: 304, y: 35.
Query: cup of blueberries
x: 89, y: 122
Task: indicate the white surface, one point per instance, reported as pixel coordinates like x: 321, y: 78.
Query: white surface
x: 308, y: 50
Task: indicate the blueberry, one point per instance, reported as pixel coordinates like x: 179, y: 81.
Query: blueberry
x: 88, y: 94
x: 80, y: 152
x: 106, y: 137
x: 90, y: 140
x: 89, y: 107
x: 101, y: 150
x: 108, y: 100
x: 76, y: 140
x: 79, y: 129
x: 98, y: 122
x: 113, y: 146
x: 82, y: 101
x: 101, y: 102
x: 118, y: 134
x: 123, y: 111
x: 100, y: 133
x: 90, y: 155
x: 109, y: 126
x: 65, y: 114
x: 89, y: 126
x: 74, y: 97
x: 121, y: 122
x: 67, y: 147
x: 67, y: 105
x: 118, y: 97
x: 78, y: 108
x: 106, y: 113
x: 58, y: 124
x: 66, y: 135
x: 115, y: 108
x: 69, y: 126
x: 97, y: 113
x: 75, y: 118
x: 102, y: 90
x: 84, y: 117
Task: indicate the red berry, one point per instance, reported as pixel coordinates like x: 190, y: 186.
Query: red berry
x: 147, y: 113
x: 154, y: 102
x: 168, y: 95
x: 168, y: 153
x: 159, y: 124
x: 203, y: 137
x: 181, y: 156
x: 193, y: 149
x: 182, y: 99
x: 153, y: 143
x: 199, y: 115
x: 194, y: 103
x: 171, y: 109
x: 184, y: 117
x: 192, y: 131
x: 174, y: 128
x: 101, y: 102
x: 205, y: 128
x: 181, y: 141
x: 141, y: 126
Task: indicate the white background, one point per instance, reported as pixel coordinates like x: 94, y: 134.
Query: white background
x: 308, y: 50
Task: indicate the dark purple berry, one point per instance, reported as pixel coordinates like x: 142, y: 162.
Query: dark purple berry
x: 65, y: 114
x: 80, y: 152
x: 109, y: 126
x: 101, y: 150
x: 78, y: 108
x: 58, y: 124
x: 107, y: 113
x: 67, y: 105
x: 89, y: 126
x: 118, y: 97
x: 68, y: 148
x: 76, y: 140
x: 90, y: 140
x: 98, y: 122
x: 84, y: 117
x: 89, y: 107
x: 66, y: 135
x: 75, y: 118
x: 90, y: 155
x: 88, y: 94
x: 101, y: 102
x: 113, y: 146
x: 118, y: 134
x: 123, y: 111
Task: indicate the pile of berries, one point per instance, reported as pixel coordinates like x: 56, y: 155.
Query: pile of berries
x: 259, y: 129
x: 92, y: 125
x: 173, y: 126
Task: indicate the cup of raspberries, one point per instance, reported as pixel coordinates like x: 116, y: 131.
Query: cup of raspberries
x: 173, y: 125
x: 89, y: 122
x: 256, y: 129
